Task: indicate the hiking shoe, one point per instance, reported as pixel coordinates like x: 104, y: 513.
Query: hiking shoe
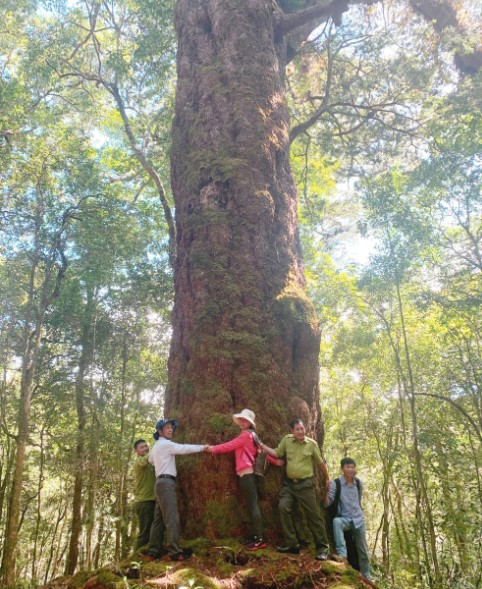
x: 180, y: 556
x: 321, y: 556
x: 288, y: 549
x: 257, y: 544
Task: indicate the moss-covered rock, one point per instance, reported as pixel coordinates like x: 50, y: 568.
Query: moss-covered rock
x: 79, y: 579
x: 155, y: 569
x: 191, y: 577
x: 104, y: 579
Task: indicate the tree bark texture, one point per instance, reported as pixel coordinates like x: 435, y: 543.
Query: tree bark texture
x: 244, y: 332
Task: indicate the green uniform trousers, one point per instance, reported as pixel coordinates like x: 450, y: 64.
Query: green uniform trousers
x: 302, y: 492
x: 151, y: 526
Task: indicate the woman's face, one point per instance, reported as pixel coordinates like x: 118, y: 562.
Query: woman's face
x: 243, y: 423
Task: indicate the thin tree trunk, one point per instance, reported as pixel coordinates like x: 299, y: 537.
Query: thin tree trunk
x: 387, y: 464
x: 76, y: 526
x: 97, y: 550
x: 422, y: 488
x: 61, y: 546
x: 412, y: 478
x: 23, y: 420
x: 121, y: 536
x: 39, y: 301
x: 91, y: 490
x: 40, y: 482
x: 6, y: 469
x: 84, y: 363
x: 54, y: 542
x: 451, y: 506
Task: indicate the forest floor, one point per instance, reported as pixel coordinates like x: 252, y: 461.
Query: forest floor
x: 220, y: 565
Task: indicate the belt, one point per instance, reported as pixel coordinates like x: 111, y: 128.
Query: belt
x: 166, y: 476
x: 300, y: 480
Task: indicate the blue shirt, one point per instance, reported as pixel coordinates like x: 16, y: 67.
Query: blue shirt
x: 349, y: 503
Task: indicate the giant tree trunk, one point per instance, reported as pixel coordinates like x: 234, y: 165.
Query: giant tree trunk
x: 244, y: 332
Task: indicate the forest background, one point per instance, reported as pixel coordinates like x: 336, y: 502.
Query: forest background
x: 386, y: 149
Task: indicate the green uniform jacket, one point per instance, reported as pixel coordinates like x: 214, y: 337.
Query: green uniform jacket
x: 145, y: 479
x: 299, y: 456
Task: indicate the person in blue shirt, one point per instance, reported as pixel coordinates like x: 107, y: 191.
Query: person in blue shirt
x: 350, y: 514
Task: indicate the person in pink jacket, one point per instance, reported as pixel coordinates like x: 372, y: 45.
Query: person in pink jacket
x: 245, y: 450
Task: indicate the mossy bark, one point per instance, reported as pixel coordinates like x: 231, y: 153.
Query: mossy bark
x: 244, y: 332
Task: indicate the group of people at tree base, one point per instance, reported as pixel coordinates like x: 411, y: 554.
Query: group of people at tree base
x: 156, y: 500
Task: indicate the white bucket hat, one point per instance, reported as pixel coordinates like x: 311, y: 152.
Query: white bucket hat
x: 245, y: 414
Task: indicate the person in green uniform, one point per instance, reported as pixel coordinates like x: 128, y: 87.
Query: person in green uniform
x: 151, y: 526
x: 300, y: 453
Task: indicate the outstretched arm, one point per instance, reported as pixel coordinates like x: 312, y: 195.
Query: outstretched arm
x: 326, y: 482
x: 269, y: 450
x: 330, y: 496
x: 174, y: 448
x: 230, y: 446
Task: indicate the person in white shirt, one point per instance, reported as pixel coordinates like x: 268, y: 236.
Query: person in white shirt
x: 163, y: 457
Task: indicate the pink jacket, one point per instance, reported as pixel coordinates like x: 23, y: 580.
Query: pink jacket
x: 244, y: 449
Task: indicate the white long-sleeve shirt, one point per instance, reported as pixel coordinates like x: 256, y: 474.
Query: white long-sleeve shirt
x: 163, y: 454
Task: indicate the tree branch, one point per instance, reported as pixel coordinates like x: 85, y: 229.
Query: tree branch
x: 443, y: 15
x: 322, y: 9
x: 141, y: 158
x: 458, y: 407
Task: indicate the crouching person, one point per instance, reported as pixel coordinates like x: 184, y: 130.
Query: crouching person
x: 346, y: 492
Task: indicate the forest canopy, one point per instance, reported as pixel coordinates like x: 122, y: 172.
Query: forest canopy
x: 385, y: 110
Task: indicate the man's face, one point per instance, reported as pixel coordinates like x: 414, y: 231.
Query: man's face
x: 167, y: 431
x: 299, y: 432
x: 349, y: 471
x: 142, y: 449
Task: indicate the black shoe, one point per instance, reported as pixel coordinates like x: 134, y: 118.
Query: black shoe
x: 321, y: 556
x: 180, y: 556
x: 288, y: 549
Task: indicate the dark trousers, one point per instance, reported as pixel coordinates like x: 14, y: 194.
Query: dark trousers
x: 303, y: 494
x: 249, y: 488
x: 145, y: 515
x: 167, y: 502
x: 156, y: 537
